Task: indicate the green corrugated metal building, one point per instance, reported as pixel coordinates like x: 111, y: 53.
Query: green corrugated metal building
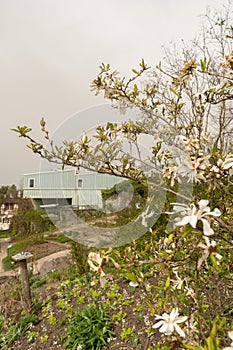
x: 67, y: 187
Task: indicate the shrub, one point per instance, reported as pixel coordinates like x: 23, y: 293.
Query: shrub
x: 79, y: 254
x: 89, y: 328
x: 17, y: 330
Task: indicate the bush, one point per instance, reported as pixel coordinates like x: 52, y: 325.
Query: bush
x: 63, y: 239
x: 79, y: 254
x: 90, y: 328
x: 17, y: 330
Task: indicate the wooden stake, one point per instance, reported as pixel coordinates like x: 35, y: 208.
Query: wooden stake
x: 23, y: 274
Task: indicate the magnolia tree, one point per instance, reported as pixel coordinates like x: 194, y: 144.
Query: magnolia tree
x: 184, y: 106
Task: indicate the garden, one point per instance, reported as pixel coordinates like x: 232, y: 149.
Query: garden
x: 170, y: 284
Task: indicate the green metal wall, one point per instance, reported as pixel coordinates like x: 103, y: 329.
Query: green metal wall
x: 65, y: 184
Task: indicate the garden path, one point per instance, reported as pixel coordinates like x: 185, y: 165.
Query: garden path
x: 38, y: 268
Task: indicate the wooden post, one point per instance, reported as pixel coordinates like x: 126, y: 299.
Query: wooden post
x: 21, y: 258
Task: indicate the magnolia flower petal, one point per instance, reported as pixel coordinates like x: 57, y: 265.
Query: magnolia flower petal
x: 184, y: 221
x: 230, y: 335
x: 167, y: 328
x: 216, y: 212
x: 207, y: 230
x: 203, y: 204
x: 103, y: 281
x: 181, y: 319
x: 159, y: 317
x: 179, y: 331
x: 201, y: 260
x: 174, y: 314
x: 158, y: 324
x: 193, y: 221
x: 207, y: 241
x: 93, y: 266
x: 177, y: 207
x: 228, y: 163
x: 218, y: 256
x: 203, y: 246
x: 95, y: 257
x: 133, y: 284
x: 166, y: 317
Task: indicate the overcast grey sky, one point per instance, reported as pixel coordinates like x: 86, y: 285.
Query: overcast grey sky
x: 50, y: 52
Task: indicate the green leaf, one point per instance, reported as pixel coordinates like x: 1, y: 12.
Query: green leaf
x: 213, y: 331
x: 135, y: 71
x: 187, y: 230
x: 203, y: 64
x: 135, y: 89
x: 174, y: 91
x: 170, y: 237
x: 214, y: 148
x: 167, y: 284
x: 22, y: 130
x: 192, y: 347
x: 214, y: 262
x: 131, y: 277
x: 42, y: 122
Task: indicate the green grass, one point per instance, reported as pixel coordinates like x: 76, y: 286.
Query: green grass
x: 61, y: 238
x: 6, y: 234
x: 17, y: 247
x: 8, y: 263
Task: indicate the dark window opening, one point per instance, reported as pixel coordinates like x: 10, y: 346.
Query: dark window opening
x: 31, y: 183
x: 80, y: 183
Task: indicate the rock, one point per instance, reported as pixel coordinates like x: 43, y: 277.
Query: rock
x: 53, y: 264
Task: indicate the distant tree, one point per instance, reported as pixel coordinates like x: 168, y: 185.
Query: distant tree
x: 6, y: 192
x: 28, y: 221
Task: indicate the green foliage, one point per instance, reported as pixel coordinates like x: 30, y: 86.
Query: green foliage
x: 17, y: 330
x: 8, y: 263
x: 61, y: 238
x: 140, y: 192
x: 127, y: 333
x: 6, y: 234
x: 28, y: 220
x: 211, y: 343
x: 79, y: 254
x: 90, y: 328
x: 6, y: 192
x: 37, y: 281
x: 22, y: 130
x: 21, y: 244
x: 1, y: 321
x: 187, y: 97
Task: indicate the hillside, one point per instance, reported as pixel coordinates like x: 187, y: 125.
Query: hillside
x: 71, y: 309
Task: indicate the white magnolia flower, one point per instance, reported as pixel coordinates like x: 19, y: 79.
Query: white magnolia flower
x: 209, y: 248
x: 189, y: 292
x: 178, y: 282
x: 230, y: 335
x: 191, y: 215
x: 193, y: 169
x: 145, y: 215
x: 171, y: 173
x: 228, y: 162
x: 95, y: 261
x: 167, y: 324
